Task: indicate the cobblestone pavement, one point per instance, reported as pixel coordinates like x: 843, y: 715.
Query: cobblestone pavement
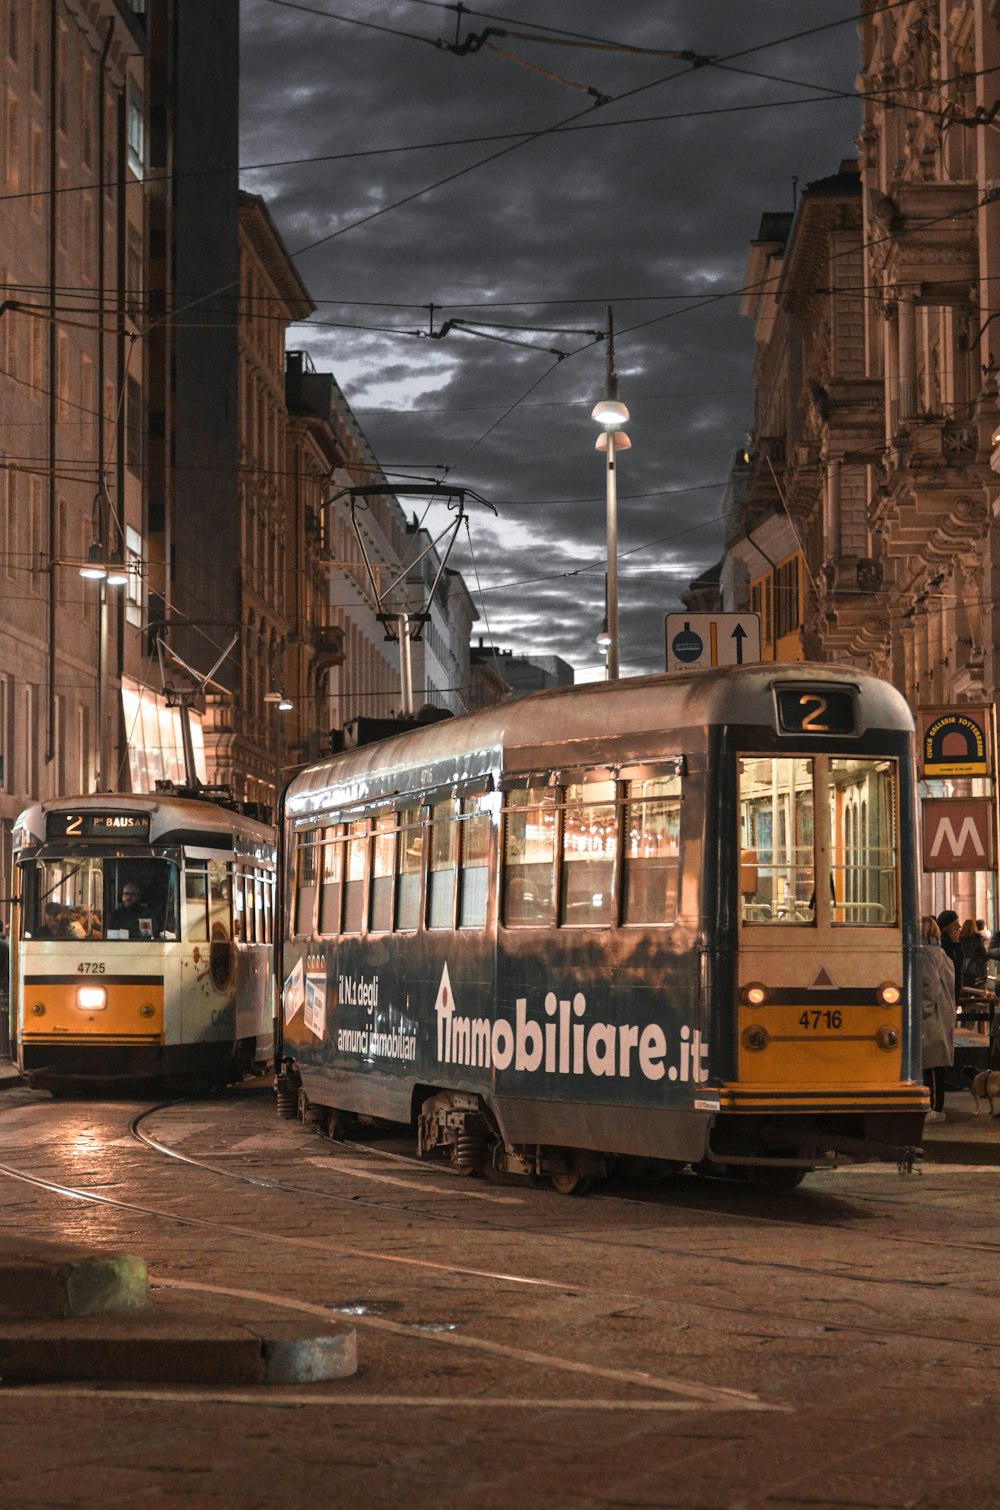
x: 693, y: 1345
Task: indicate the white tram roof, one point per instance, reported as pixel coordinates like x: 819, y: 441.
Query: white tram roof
x: 585, y: 715
x: 167, y: 813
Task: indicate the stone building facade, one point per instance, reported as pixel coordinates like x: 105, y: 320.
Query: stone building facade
x: 73, y: 81
x: 153, y: 427
x: 873, y: 464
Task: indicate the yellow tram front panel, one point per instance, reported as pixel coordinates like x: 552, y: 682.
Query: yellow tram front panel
x: 92, y: 1009
x: 820, y: 1028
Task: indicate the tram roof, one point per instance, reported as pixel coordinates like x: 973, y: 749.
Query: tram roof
x: 595, y: 710
x: 168, y: 813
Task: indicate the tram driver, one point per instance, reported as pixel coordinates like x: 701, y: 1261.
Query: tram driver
x: 134, y: 919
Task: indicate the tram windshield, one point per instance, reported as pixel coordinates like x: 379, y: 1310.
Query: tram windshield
x: 89, y: 897
x: 779, y: 800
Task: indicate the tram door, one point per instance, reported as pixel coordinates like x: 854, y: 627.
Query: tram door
x: 820, y: 978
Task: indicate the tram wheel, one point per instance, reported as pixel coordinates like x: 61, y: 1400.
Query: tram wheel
x: 570, y: 1182
x: 770, y: 1178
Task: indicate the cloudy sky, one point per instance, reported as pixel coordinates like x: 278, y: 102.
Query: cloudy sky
x: 519, y: 188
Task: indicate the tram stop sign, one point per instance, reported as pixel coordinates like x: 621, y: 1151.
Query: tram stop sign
x: 699, y: 640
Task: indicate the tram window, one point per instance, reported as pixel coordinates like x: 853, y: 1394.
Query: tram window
x: 441, y: 871
x: 65, y: 900
x: 269, y: 908
x: 156, y: 884
x: 249, y: 908
x: 863, y: 832
x: 354, y: 885
x: 777, y: 851
x: 263, y: 883
x: 243, y: 907
x: 196, y: 904
x: 589, y: 849
x: 383, y: 865
x: 474, y: 826
x: 72, y: 898
x: 219, y: 900
x: 529, y: 857
x: 652, y: 828
x: 332, y: 880
x: 409, y: 860
x: 305, y: 882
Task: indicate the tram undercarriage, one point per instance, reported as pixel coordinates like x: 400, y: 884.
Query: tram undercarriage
x: 770, y: 1150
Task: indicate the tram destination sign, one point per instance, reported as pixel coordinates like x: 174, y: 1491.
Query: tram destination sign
x: 95, y: 824
x: 696, y: 641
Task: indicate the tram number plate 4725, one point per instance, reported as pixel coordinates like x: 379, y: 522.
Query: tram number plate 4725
x: 821, y: 1018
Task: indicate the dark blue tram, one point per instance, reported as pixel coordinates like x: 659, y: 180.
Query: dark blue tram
x: 665, y: 918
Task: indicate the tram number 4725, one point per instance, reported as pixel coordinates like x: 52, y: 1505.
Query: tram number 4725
x: 817, y: 1018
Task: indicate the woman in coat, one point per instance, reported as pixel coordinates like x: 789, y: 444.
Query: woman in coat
x: 937, y: 1007
x: 949, y: 929
x: 973, y: 955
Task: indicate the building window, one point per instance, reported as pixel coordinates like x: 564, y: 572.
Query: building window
x: 33, y: 534
x: 786, y: 598
x: 13, y: 521
x: 11, y: 156
x: 62, y: 87
x: 133, y: 564
x: 62, y: 376
x: 133, y: 273
x: 36, y: 52
x: 86, y: 410
x: 86, y: 109
x: 35, y: 174
x: 136, y: 132
x: 87, y: 258
x: 133, y: 424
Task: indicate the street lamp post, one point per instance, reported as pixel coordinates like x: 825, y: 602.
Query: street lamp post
x: 611, y: 413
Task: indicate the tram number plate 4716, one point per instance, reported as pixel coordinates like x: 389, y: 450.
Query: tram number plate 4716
x: 821, y: 1018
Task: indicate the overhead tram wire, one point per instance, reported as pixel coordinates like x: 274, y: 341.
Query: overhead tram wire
x: 171, y: 316
x: 555, y: 127
x: 828, y: 93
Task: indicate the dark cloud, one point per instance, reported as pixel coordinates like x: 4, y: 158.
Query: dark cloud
x: 651, y: 215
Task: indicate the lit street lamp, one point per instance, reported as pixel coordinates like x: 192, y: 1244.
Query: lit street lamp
x: 611, y: 413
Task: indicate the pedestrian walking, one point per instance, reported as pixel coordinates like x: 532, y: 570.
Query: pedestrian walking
x: 937, y: 1008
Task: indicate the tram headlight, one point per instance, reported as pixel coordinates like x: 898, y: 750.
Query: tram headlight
x: 91, y: 998
x: 754, y: 994
x: 889, y: 995
x: 887, y: 1038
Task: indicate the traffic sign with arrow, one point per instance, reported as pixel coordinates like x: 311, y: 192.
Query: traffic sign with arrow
x: 698, y: 640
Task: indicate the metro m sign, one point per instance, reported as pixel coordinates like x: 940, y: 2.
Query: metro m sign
x: 958, y: 833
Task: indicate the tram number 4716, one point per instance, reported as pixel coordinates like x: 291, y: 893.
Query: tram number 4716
x: 817, y: 1018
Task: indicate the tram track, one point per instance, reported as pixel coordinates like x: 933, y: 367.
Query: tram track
x: 778, y: 1321
x: 457, y: 1192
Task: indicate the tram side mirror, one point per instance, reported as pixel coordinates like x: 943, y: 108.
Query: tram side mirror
x: 748, y: 872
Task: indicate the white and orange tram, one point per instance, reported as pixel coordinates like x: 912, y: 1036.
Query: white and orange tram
x: 142, y: 944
